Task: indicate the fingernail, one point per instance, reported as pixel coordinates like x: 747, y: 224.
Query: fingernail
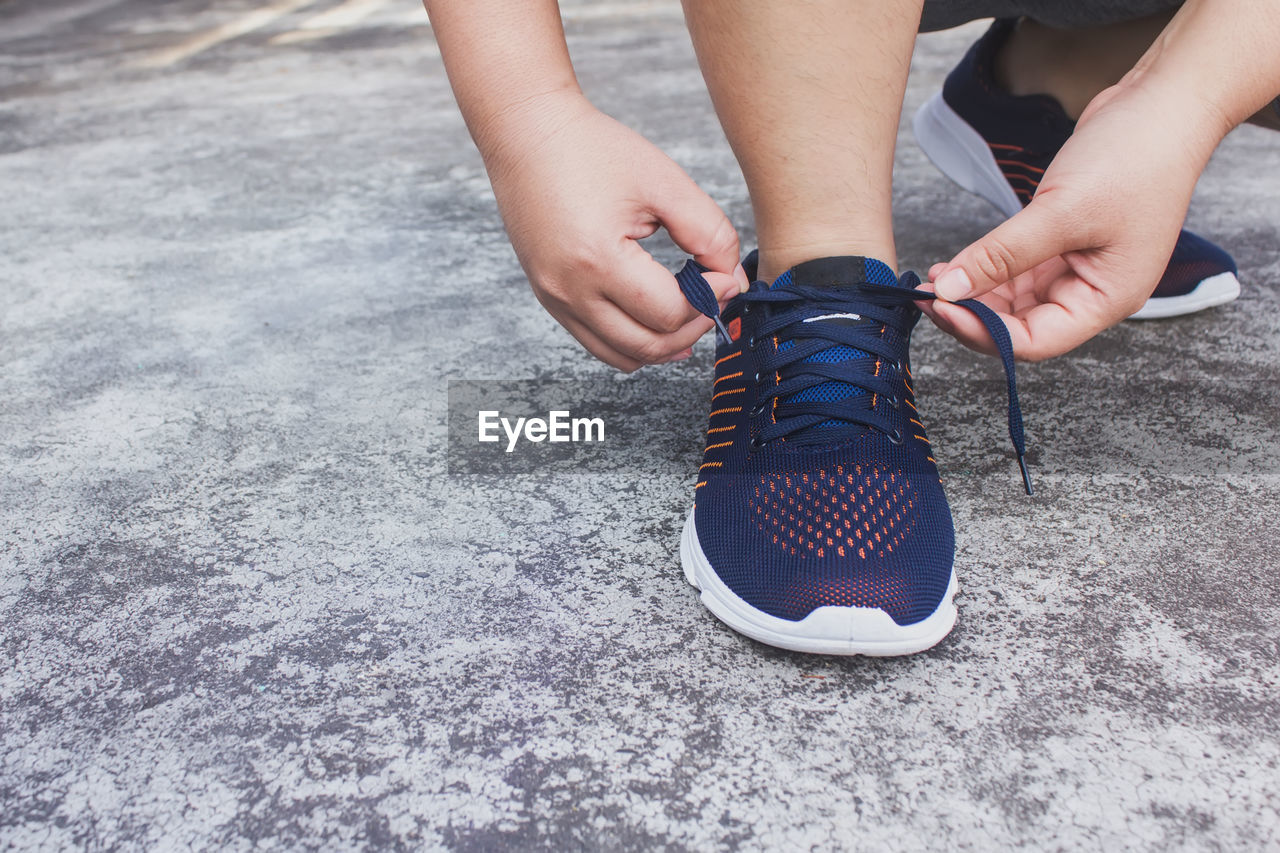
x: 954, y: 285
x: 681, y: 356
x: 744, y: 283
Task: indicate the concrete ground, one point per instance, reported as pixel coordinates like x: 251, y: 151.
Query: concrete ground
x: 248, y: 602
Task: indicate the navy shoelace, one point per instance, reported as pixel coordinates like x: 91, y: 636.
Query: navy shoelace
x: 794, y: 306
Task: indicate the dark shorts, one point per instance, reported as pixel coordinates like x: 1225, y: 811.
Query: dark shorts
x: 941, y: 14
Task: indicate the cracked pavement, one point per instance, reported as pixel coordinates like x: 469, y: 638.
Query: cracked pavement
x: 248, y: 603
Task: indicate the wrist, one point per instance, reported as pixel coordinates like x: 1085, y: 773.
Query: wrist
x: 1218, y: 63
x: 508, y: 132
x: 1200, y: 124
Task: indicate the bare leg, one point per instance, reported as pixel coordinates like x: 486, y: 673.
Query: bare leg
x: 809, y: 94
x: 1074, y: 65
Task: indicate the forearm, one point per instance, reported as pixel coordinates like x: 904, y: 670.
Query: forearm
x: 503, y: 58
x: 1219, y: 58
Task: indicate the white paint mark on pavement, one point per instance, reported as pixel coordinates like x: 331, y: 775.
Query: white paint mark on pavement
x: 593, y: 12
x: 333, y: 21
x: 41, y: 21
x: 604, y: 11
x: 232, y: 29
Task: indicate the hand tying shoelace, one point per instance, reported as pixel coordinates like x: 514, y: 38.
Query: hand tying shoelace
x: 812, y: 320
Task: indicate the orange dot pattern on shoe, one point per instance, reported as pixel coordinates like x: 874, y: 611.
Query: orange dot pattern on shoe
x: 854, y: 512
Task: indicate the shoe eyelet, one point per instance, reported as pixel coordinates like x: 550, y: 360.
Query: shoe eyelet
x: 751, y: 342
x: 756, y: 379
x: 895, y: 437
x: 897, y: 365
x: 892, y: 400
x: 746, y: 309
x: 755, y: 442
x: 757, y: 410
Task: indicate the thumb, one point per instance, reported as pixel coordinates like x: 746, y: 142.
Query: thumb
x: 698, y: 226
x: 1029, y: 238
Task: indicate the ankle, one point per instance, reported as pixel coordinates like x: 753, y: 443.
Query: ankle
x: 1072, y: 65
x: 777, y: 259
x: 1037, y: 60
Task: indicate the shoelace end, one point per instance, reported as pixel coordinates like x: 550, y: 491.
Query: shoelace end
x: 723, y: 330
x: 1026, y: 475
x: 698, y: 292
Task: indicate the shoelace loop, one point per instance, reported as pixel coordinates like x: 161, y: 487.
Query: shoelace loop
x: 797, y: 372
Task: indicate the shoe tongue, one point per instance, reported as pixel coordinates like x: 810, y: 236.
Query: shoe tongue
x: 833, y: 272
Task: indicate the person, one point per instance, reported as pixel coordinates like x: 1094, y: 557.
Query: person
x: 820, y: 523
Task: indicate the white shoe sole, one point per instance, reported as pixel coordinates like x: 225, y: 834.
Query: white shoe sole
x: 962, y: 155
x: 827, y: 630
x: 1210, y: 292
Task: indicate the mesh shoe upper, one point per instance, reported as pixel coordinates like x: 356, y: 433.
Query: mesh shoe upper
x: 1024, y: 132
x: 1194, y: 260
x: 839, y: 512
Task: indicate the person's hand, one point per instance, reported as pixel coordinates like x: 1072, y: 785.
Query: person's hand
x: 1093, y: 243
x: 575, y: 202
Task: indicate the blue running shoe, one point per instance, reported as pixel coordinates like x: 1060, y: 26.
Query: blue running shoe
x: 820, y: 523
x: 998, y: 146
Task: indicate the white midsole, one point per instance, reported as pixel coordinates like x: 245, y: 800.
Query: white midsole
x: 1215, y: 290
x: 827, y: 630
x: 963, y: 155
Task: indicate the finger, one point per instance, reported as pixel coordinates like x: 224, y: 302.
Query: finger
x: 1051, y: 329
x: 635, y: 341
x: 698, y: 225
x: 963, y: 325
x: 929, y: 311
x: 643, y: 345
x: 602, y: 350
x: 1032, y: 236
x: 1045, y: 330
x: 926, y: 305
x: 725, y: 286
x: 597, y: 347
x: 648, y: 292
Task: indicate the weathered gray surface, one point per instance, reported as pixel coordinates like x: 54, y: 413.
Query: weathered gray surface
x: 244, y: 604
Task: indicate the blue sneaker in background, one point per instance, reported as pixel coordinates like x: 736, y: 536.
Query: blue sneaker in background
x: 820, y: 523
x: 999, y: 145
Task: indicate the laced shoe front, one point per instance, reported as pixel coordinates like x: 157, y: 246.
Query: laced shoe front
x: 820, y: 522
